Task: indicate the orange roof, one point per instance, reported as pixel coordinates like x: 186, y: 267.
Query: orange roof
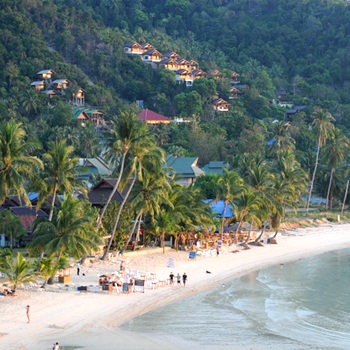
x: 153, y: 117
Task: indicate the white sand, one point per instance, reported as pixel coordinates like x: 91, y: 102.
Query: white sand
x: 90, y: 320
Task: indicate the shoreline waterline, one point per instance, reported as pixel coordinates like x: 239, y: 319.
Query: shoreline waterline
x: 92, y: 320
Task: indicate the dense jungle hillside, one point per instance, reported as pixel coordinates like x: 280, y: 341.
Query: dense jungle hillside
x: 293, y: 50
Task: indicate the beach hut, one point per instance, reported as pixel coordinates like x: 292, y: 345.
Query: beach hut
x: 64, y: 275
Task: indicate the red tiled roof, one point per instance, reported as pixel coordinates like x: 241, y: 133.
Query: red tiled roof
x: 150, y: 115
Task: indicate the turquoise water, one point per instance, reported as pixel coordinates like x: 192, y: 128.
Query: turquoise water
x: 304, y: 304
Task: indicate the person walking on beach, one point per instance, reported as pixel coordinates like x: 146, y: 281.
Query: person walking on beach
x: 56, y: 346
x: 178, y: 277
x: 184, y: 279
x: 78, y: 270
x: 171, y: 277
x: 28, y: 313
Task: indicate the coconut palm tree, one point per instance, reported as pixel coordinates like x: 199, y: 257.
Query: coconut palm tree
x: 19, y: 271
x: 282, y: 141
x: 230, y: 186
x: 247, y: 207
x: 11, y: 226
x: 16, y: 163
x: 60, y: 173
x: 335, y: 151
x: 126, y: 131
x: 71, y: 230
x: 144, y: 158
x: 322, y: 124
x: 48, y: 267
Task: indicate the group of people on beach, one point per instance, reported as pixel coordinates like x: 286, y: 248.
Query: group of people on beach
x: 178, y: 279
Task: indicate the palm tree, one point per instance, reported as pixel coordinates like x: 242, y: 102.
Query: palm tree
x: 126, y: 131
x: 189, y: 211
x: 164, y: 223
x: 11, y: 225
x: 48, y: 267
x: 60, y: 173
x: 322, y: 124
x: 282, y: 141
x: 146, y: 158
x: 19, y: 272
x: 16, y: 164
x: 230, y: 186
x: 335, y: 151
x: 247, y: 207
x: 71, y: 230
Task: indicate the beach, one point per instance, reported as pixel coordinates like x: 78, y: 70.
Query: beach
x: 92, y: 320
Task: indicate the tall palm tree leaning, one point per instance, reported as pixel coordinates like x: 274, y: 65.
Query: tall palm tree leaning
x: 60, y: 171
x: 146, y: 158
x: 322, y: 124
x: 126, y: 130
x: 16, y: 165
x: 335, y: 151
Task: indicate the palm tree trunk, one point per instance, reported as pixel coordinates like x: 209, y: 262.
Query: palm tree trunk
x: 117, y: 218
x: 131, y: 232
x: 223, y: 220
x: 329, y: 188
x: 54, y: 194
x: 261, y: 233
x: 313, y: 177
x: 99, y: 221
x: 345, y: 196
x: 162, y: 237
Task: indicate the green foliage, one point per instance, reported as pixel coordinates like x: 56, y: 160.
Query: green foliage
x: 19, y: 271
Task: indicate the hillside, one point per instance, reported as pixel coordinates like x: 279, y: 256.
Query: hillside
x: 295, y: 52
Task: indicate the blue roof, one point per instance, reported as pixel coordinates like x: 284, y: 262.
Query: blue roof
x: 218, y: 208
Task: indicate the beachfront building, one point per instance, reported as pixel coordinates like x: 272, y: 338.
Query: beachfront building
x: 99, y: 193
x: 184, y: 169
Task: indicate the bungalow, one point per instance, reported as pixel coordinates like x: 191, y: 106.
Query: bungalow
x: 85, y: 114
x: 198, y: 73
x: 147, y: 46
x: 151, y: 55
x: 153, y: 118
x: 194, y: 65
x: 38, y: 85
x: 220, y: 105
x: 81, y: 115
x: 215, y: 167
x: 169, y: 63
x: 79, y: 98
x: 50, y: 93
x: 133, y: 48
x: 96, y: 116
x: 185, y: 169
x: 182, y: 63
x: 99, y: 194
x: 171, y: 54
x: 184, y: 76
x: 95, y: 167
x: 295, y: 110
x: 60, y: 84
x: 46, y: 74
x: 216, y: 74
x: 235, y: 78
x: 234, y: 93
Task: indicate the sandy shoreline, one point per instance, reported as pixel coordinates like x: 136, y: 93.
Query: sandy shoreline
x: 91, y: 320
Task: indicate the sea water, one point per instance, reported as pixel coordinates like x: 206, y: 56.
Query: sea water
x: 304, y: 304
